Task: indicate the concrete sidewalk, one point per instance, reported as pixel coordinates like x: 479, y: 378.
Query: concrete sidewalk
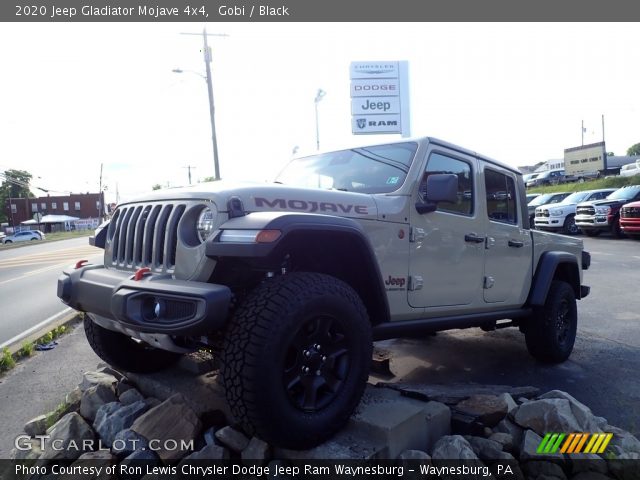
x: 37, y: 385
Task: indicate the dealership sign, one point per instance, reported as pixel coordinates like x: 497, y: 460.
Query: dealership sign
x: 585, y: 159
x: 380, y: 98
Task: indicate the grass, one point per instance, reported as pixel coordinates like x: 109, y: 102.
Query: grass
x: 54, y: 416
x: 26, y: 350
x: 613, y: 182
x: 7, y: 361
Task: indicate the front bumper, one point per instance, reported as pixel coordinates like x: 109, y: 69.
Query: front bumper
x: 152, y: 304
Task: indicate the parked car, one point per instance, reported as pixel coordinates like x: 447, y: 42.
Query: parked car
x: 24, y: 236
x: 2, y: 237
x: 548, y: 177
x: 531, y: 196
x: 630, y: 219
x: 561, y: 216
x: 599, y: 216
x: 544, y: 199
x: 630, y: 169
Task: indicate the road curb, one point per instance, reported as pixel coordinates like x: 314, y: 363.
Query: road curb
x: 66, y: 320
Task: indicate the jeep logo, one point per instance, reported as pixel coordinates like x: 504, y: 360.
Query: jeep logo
x: 398, y: 282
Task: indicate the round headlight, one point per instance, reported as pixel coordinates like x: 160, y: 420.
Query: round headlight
x: 206, y: 221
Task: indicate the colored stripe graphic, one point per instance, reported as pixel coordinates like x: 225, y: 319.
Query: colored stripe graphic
x: 574, y: 443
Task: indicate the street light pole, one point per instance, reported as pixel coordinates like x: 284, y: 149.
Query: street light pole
x: 207, y: 62
x: 321, y: 93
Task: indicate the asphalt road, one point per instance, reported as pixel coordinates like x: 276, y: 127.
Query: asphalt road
x: 28, y: 283
x: 603, y: 370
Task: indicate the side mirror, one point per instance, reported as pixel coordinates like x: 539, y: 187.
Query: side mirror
x: 441, y: 187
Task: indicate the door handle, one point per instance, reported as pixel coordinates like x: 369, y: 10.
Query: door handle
x: 516, y: 244
x: 473, y: 238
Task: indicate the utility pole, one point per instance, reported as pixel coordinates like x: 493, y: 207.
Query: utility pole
x: 207, y: 62
x: 189, y: 167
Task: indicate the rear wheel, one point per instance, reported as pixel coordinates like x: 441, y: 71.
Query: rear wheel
x: 551, y: 333
x: 124, y: 353
x: 296, y: 359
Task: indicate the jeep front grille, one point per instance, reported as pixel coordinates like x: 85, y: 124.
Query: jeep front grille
x: 631, y: 212
x: 588, y: 210
x: 144, y: 235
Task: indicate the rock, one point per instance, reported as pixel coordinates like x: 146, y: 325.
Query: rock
x: 110, y: 421
x: 29, y: 450
x: 198, y: 362
x: 152, y: 402
x: 582, y: 413
x: 93, y: 398
x: 257, y: 451
x: 549, y: 470
x: 89, y: 379
x: 409, y: 456
x: 547, y: 415
x: 529, y: 447
x: 587, y: 462
x: 590, y: 476
x: 510, y: 428
x: 104, y: 455
x: 72, y: 399
x: 623, y: 439
x: 485, y: 449
x: 172, y: 420
x: 504, y: 439
x: 487, y: 409
x: 127, y: 441
x: 122, y: 386
x: 210, y: 452
x: 130, y: 396
x: 36, y: 426
x: 232, y: 438
x: 601, y: 422
x: 148, y: 456
x: 454, y: 393
x: 625, y: 465
x: 508, y: 399
x: 462, y: 424
x: 68, y: 435
x: 107, y: 370
x: 209, y: 436
x: 453, y: 447
x: 145, y: 460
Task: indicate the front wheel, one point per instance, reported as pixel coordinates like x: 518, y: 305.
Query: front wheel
x: 551, y: 333
x: 569, y: 227
x: 124, y: 353
x: 296, y: 359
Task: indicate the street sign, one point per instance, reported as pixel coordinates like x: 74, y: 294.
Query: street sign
x: 380, y: 98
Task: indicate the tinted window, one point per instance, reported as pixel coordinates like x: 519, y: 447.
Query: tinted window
x: 501, y: 197
x: 439, y: 163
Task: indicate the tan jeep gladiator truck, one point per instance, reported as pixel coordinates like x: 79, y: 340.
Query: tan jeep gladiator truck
x: 292, y: 282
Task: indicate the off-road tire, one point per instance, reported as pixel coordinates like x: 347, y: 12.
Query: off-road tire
x: 569, y: 227
x: 265, y: 356
x: 551, y: 333
x: 123, y: 353
x: 592, y: 233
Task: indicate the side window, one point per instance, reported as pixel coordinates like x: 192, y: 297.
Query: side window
x: 439, y: 163
x: 501, y: 197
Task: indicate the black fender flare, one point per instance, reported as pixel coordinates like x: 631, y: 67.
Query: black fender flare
x: 291, y: 224
x: 546, y: 272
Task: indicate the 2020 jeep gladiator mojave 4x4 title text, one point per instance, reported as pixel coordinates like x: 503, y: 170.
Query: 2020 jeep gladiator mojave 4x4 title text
x: 293, y: 281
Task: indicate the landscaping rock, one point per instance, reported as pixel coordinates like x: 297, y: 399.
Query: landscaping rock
x: 508, y: 427
x: 582, y: 413
x: 504, y: 439
x: 210, y: 436
x: 462, y: 424
x: 130, y: 396
x: 623, y: 439
x: 487, y: 409
x: 587, y: 462
x: 110, y: 421
x: 453, y: 447
x: 148, y: 456
x: 107, y: 369
x: 68, y: 434
x: 210, y: 452
x: 29, y: 450
x: 508, y: 399
x: 72, y: 400
x: 152, y: 402
x: 93, y: 398
x: 232, y: 438
x: 547, y: 415
x: 122, y: 386
x: 127, y: 441
x: 407, y: 457
x: 36, y: 426
x: 89, y: 379
x: 456, y: 392
x: 486, y: 449
x: 104, y: 455
x: 529, y: 447
x: 547, y: 470
x: 172, y: 420
x: 257, y: 451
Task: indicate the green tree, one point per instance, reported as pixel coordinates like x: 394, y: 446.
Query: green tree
x: 208, y: 179
x: 611, y: 154
x: 15, y: 184
x: 157, y: 186
x: 634, y: 149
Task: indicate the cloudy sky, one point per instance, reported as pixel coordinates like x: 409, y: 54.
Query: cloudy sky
x: 75, y: 96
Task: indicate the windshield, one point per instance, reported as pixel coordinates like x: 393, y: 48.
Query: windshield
x: 541, y: 200
x: 624, y: 193
x: 378, y: 169
x: 575, y: 197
